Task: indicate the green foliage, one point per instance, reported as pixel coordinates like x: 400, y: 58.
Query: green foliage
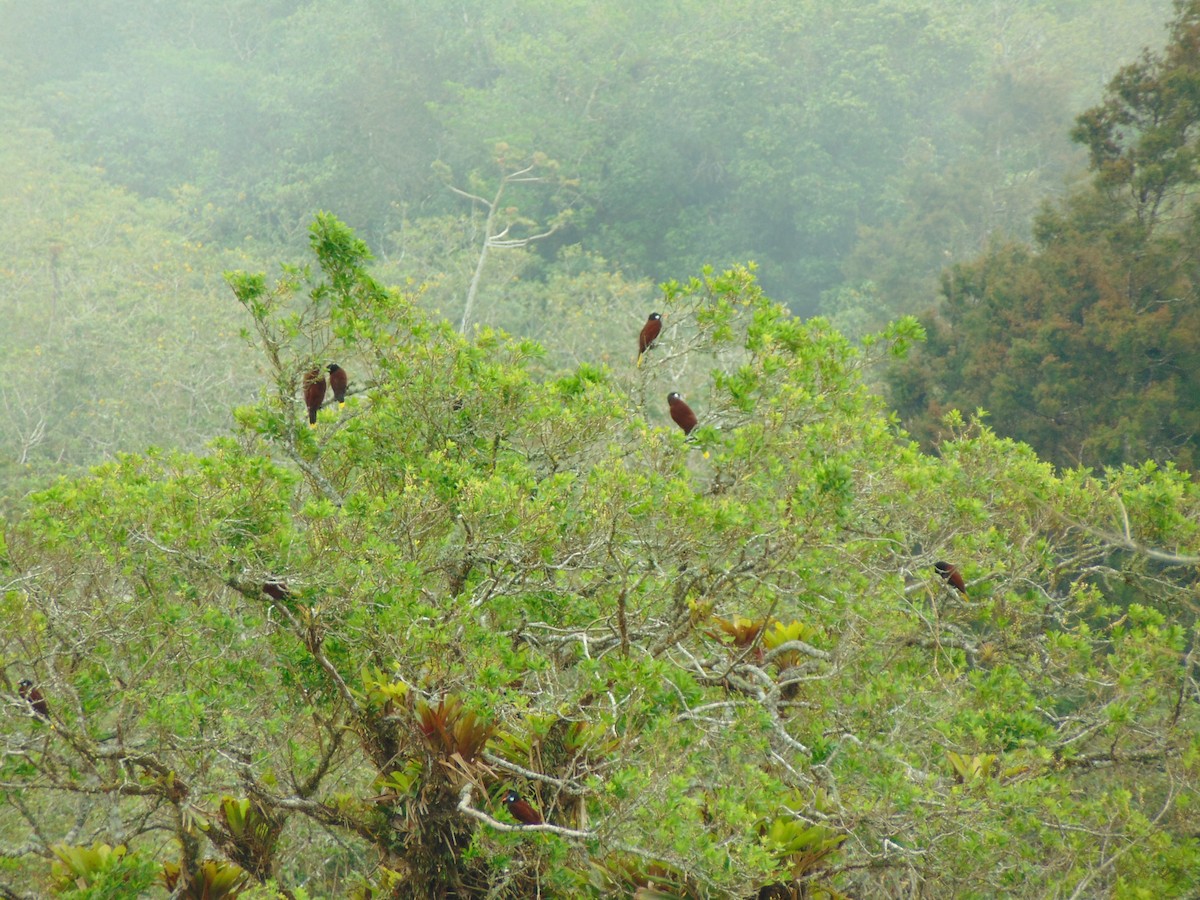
x: 99, y: 872
x: 1085, y: 345
x: 113, y: 317
x: 722, y: 666
x: 212, y: 880
x: 853, y: 151
x: 889, y: 135
x: 801, y: 846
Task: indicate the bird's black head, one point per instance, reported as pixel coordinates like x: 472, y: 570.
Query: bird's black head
x: 333, y: 367
x: 512, y: 796
x: 942, y: 567
x: 655, y: 317
x: 24, y: 684
x: 673, y: 396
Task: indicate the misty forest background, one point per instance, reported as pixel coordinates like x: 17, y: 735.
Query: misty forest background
x: 724, y: 668
x: 853, y: 154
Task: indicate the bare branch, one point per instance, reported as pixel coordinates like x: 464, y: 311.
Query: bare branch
x: 326, y: 487
x: 465, y: 807
x: 1123, y: 541
x: 1124, y: 520
x: 800, y: 646
x: 474, y: 197
x: 502, y: 763
x: 8, y: 893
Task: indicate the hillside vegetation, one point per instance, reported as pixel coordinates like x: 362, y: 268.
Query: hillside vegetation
x: 504, y: 625
x: 1087, y: 343
x: 852, y: 153
x: 312, y: 661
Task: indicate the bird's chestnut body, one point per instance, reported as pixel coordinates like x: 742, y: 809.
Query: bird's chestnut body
x: 952, y: 576
x: 649, y: 334
x: 276, y: 589
x: 314, y: 394
x: 681, y: 413
x: 521, y: 810
x: 35, y: 699
x: 338, y: 382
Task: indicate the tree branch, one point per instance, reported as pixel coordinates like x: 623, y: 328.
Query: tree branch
x: 1096, y: 872
x: 801, y: 646
x: 500, y: 762
x: 326, y: 487
x: 465, y: 807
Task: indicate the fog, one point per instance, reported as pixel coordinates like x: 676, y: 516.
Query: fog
x: 851, y: 151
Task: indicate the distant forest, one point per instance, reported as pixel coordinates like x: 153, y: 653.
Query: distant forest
x: 558, y: 449
x: 851, y: 152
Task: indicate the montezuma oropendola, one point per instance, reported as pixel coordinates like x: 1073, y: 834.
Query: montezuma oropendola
x: 339, y: 381
x: 521, y: 811
x: 681, y: 412
x: 649, y: 334
x: 952, y: 576
x: 276, y: 589
x: 32, y: 696
x: 314, y: 394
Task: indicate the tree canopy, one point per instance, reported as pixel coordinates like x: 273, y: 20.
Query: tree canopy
x: 851, y: 152
x: 112, y: 338
x: 311, y: 662
x: 792, y: 653
x: 1087, y: 344
x: 697, y: 133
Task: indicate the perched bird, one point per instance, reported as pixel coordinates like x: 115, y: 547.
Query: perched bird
x: 339, y: 381
x: 952, y: 576
x: 314, y: 394
x: 32, y: 696
x: 681, y: 412
x: 649, y: 335
x: 276, y: 589
x: 522, y: 811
